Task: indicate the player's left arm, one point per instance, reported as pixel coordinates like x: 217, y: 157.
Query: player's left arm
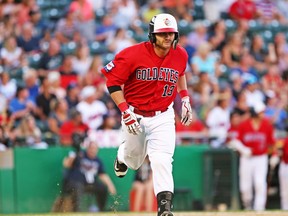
x: 186, y: 114
x: 108, y: 182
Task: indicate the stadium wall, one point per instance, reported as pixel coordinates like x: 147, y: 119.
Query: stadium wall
x: 32, y: 180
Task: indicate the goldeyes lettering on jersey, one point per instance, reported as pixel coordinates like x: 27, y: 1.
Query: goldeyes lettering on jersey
x: 164, y: 74
x: 149, y: 74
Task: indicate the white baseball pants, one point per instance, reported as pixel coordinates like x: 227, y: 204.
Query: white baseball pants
x: 252, y: 172
x: 283, y: 183
x: 158, y: 141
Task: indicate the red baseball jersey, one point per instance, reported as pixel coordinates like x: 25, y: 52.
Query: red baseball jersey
x: 285, y: 151
x: 258, y: 140
x: 149, y: 81
x: 232, y: 133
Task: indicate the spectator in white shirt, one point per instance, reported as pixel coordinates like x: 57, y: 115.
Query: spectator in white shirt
x: 218, y: 121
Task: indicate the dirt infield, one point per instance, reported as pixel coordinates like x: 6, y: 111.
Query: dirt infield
x: 228, y: 213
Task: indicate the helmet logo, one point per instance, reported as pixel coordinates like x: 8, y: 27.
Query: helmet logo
x: 167, y: 22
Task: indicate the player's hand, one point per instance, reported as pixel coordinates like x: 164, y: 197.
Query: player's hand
x: 130, y: 120
x: 238, y: 146
x: 186, y: 116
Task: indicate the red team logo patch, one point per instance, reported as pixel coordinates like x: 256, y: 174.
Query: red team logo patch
x: 109, y: 66
x: 167, y: 22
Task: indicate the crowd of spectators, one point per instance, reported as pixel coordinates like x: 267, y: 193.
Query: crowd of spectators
x: 51, y: 53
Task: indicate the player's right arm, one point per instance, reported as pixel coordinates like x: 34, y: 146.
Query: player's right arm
x: 117, y: 96
x: 129, y: 118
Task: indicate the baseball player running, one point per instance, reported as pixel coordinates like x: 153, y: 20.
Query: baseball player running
x: 143, y: 81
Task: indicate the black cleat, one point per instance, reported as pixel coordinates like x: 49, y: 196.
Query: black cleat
x: 120, y: 169
x: 167, y: 213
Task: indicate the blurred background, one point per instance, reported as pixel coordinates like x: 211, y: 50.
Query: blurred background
x: 53, y: 95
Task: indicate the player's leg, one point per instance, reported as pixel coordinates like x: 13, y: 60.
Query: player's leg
x: 131, y: 153
x: 101, y: 193
x: 77, y: 191
x: 246, y: 182
x: 149, y: 195
x: 260, y: 184
x: 160, y: 147
x: 139, y: 190
x: 283, y: 183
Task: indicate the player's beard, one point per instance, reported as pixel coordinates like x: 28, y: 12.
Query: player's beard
x: 164, y: 45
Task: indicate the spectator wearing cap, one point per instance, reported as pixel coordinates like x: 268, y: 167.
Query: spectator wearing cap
x: 91, y: 108
x: 74, y: 125
x: 27, y: 40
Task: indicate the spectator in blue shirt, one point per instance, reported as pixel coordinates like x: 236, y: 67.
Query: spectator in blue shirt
x: 84, y: 170
x: 21, y: 105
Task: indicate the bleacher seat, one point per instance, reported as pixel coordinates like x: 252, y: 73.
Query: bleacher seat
x: 267, y: 36
x: 97, y: 48
x: 34, y: 60
x: 198, y: 10
x: 255, y: 27
x: 230, y: 25
x: 141, y: 37
x: 107, y: 57
x: 69, y: 48
x: 184, y: 27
